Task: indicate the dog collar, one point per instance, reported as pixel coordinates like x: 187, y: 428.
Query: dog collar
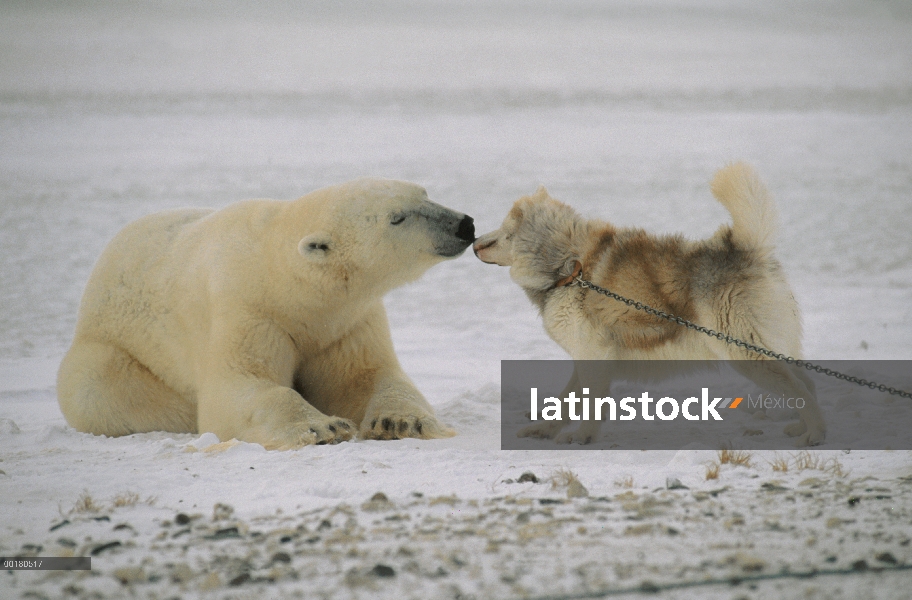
x: 577, y: 269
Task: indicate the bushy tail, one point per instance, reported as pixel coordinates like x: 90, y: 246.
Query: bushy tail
x: 753, y: 212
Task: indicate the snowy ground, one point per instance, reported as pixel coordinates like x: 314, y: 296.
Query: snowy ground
x: 111, y: 112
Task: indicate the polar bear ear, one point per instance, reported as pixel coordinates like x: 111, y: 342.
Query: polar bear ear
x: 315, y: 246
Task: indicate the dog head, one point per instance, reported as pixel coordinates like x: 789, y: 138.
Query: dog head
x: 538, y: 240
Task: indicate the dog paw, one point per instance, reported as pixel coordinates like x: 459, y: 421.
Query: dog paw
x: 575, y: 437
x: 395, y: 427
x: 795, y: 429
x: 540, y: 430
x: 807, y: 436
x: 810, y: 438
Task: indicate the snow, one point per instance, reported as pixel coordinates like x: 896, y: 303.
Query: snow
x: 624, y: 110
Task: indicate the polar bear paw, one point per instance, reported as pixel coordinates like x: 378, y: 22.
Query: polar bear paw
x: 395, y: 427
x: 329, y: 430
x: 333, y: 431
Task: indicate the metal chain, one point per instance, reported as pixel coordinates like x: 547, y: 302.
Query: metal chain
x: 740, y: 343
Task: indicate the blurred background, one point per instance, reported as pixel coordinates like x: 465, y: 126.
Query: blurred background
x: 109, y: 111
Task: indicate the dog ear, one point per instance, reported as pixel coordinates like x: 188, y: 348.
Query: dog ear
x: 570, y: 267
x: 315, y: 246
x: 567, y: 273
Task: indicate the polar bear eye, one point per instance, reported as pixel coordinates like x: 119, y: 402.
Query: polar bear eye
x: 397, y: 219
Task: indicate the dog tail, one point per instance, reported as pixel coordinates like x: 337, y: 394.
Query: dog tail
x: 755, y: 220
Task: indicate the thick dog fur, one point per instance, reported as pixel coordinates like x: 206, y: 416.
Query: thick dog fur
x: 730, y: 282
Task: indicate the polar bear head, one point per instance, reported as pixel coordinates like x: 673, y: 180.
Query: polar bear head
x: 378, y: 233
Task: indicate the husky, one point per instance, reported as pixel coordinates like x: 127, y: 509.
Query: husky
x: 730, y: 282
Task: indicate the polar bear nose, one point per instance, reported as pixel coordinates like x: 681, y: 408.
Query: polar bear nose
x: 466, y: 230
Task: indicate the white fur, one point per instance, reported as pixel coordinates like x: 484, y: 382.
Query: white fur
x: 219, y: 321
x: 754, y: 216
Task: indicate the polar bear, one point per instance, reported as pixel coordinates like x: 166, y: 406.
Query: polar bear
x: 262, y: 321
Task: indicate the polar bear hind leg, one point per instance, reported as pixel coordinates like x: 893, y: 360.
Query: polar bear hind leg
x: 105, y: 391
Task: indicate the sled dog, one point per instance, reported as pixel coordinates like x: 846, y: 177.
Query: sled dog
x: 730, y: 282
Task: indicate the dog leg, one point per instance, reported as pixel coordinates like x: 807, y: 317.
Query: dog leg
x: 791, y: 382
x: 593, y: 379
x: 549, y: 429
x: 804, y: 429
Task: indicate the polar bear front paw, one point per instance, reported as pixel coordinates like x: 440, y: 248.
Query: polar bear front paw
x: 333, y: 431
x: 395, y: 427
x: 330, y: 430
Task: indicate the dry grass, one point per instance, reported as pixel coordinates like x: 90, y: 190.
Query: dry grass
x: 85, y: 504
x: 742, y: 458
x: 625, y: 483
x: 808, y: 461
x: 834, y: 467
x: 728, y: 456
x: 805, y: 460
x: 780, y: 465
x: 712, y: 470
x: 562, y: 478
x: 567, y: 479
x: 125, y: 499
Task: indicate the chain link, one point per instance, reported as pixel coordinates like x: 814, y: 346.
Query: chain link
x: 740, y: 343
